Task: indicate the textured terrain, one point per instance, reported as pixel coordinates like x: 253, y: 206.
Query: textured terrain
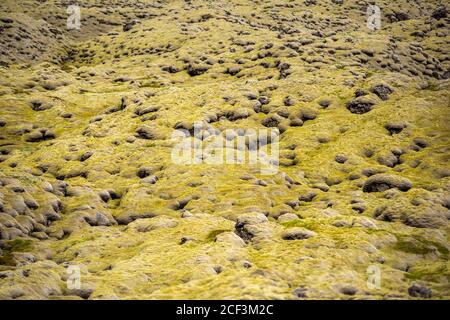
x: 87, y: 178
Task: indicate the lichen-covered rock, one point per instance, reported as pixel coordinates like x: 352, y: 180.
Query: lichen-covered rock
x: 382, y: 91
x: 360, y: 105
x: 353, y: 117
x: 382, y: 182
x: 297, y: 233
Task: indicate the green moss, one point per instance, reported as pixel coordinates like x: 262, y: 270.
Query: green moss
x: 16, y: 245
x: 418, y: 245
x: 428, y: 273
x: 311, y: 225
x: 7, y: 259
x: 20, y: 245
x: 150, y: 84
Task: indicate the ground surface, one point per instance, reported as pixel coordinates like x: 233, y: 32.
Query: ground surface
x: 87, y: 178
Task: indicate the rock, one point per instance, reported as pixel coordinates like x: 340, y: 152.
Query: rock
x: 196, y: 70
x: 382, y: 91
x: 97, y: 218
x: 251, y: 218
x: 141, y: 110
x: 369, y: 52
x: 40, y: 104
x: 365, y: 223
x: 147, y: 132
x: 340, y: 158
x: 297, y: 233
x: 288, y: 101
x: 388, y: 159
x: 84, y: 293
x: 128, y: 26
x: 264, y: 100
x: 307, y: 197
x: 144, y: 172
x: 394, y: 127
x: 158, y: 222
x: 237, y: 114
x: 254, y: 232
x: 128, y: 217
x: 66, y: 115
x: 150, y: 179
x: 234, y: 70
x: 388, y: 213
x: 186, y: 214
x: 287, y: 217
x: 341, y: 224
x: 39, y: 235
x: 170, y: 69
x: 86, y: 155
x: 426, y: 217
x: 40, y: 135
x: 300, y: 292
x: 184, y: 240
x: 359, y: 207
x: 118, y: 107
x: 6, y: 20
x: 230, y: 238
x: 246, y: 225
x: 439, y: 13
x: 59, y: 188
x: 324, y: 103
x: 381, y: 182
x: 360, y: 93
x: 419, y: 291
x: 122, y: 79
x: 420, y: 142
x: 272, y: 121
x: 130, y: 139
x: 348, y: 290
x: 360, y: 105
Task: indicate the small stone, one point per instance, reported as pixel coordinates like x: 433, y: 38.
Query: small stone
x: 347, y: 290
x: 307, y: 197
x: 287, y: 217
x: 297, y: 233
x: 419, y: 291
x: 439, y: 13
x: 86, y: 155
x: 196, y: 70
x: 300, y: 292
x: 340, y: 158
x: 147, y: 132
x: 324, y: 103
x: 394, y: 128
x: 382, y: 91
x: 183, y: 240
x: 360, y: 105
x: 230, y: 238
x: 128, y: 26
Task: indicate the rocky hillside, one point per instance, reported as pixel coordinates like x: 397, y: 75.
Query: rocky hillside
x: 88, y: 180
